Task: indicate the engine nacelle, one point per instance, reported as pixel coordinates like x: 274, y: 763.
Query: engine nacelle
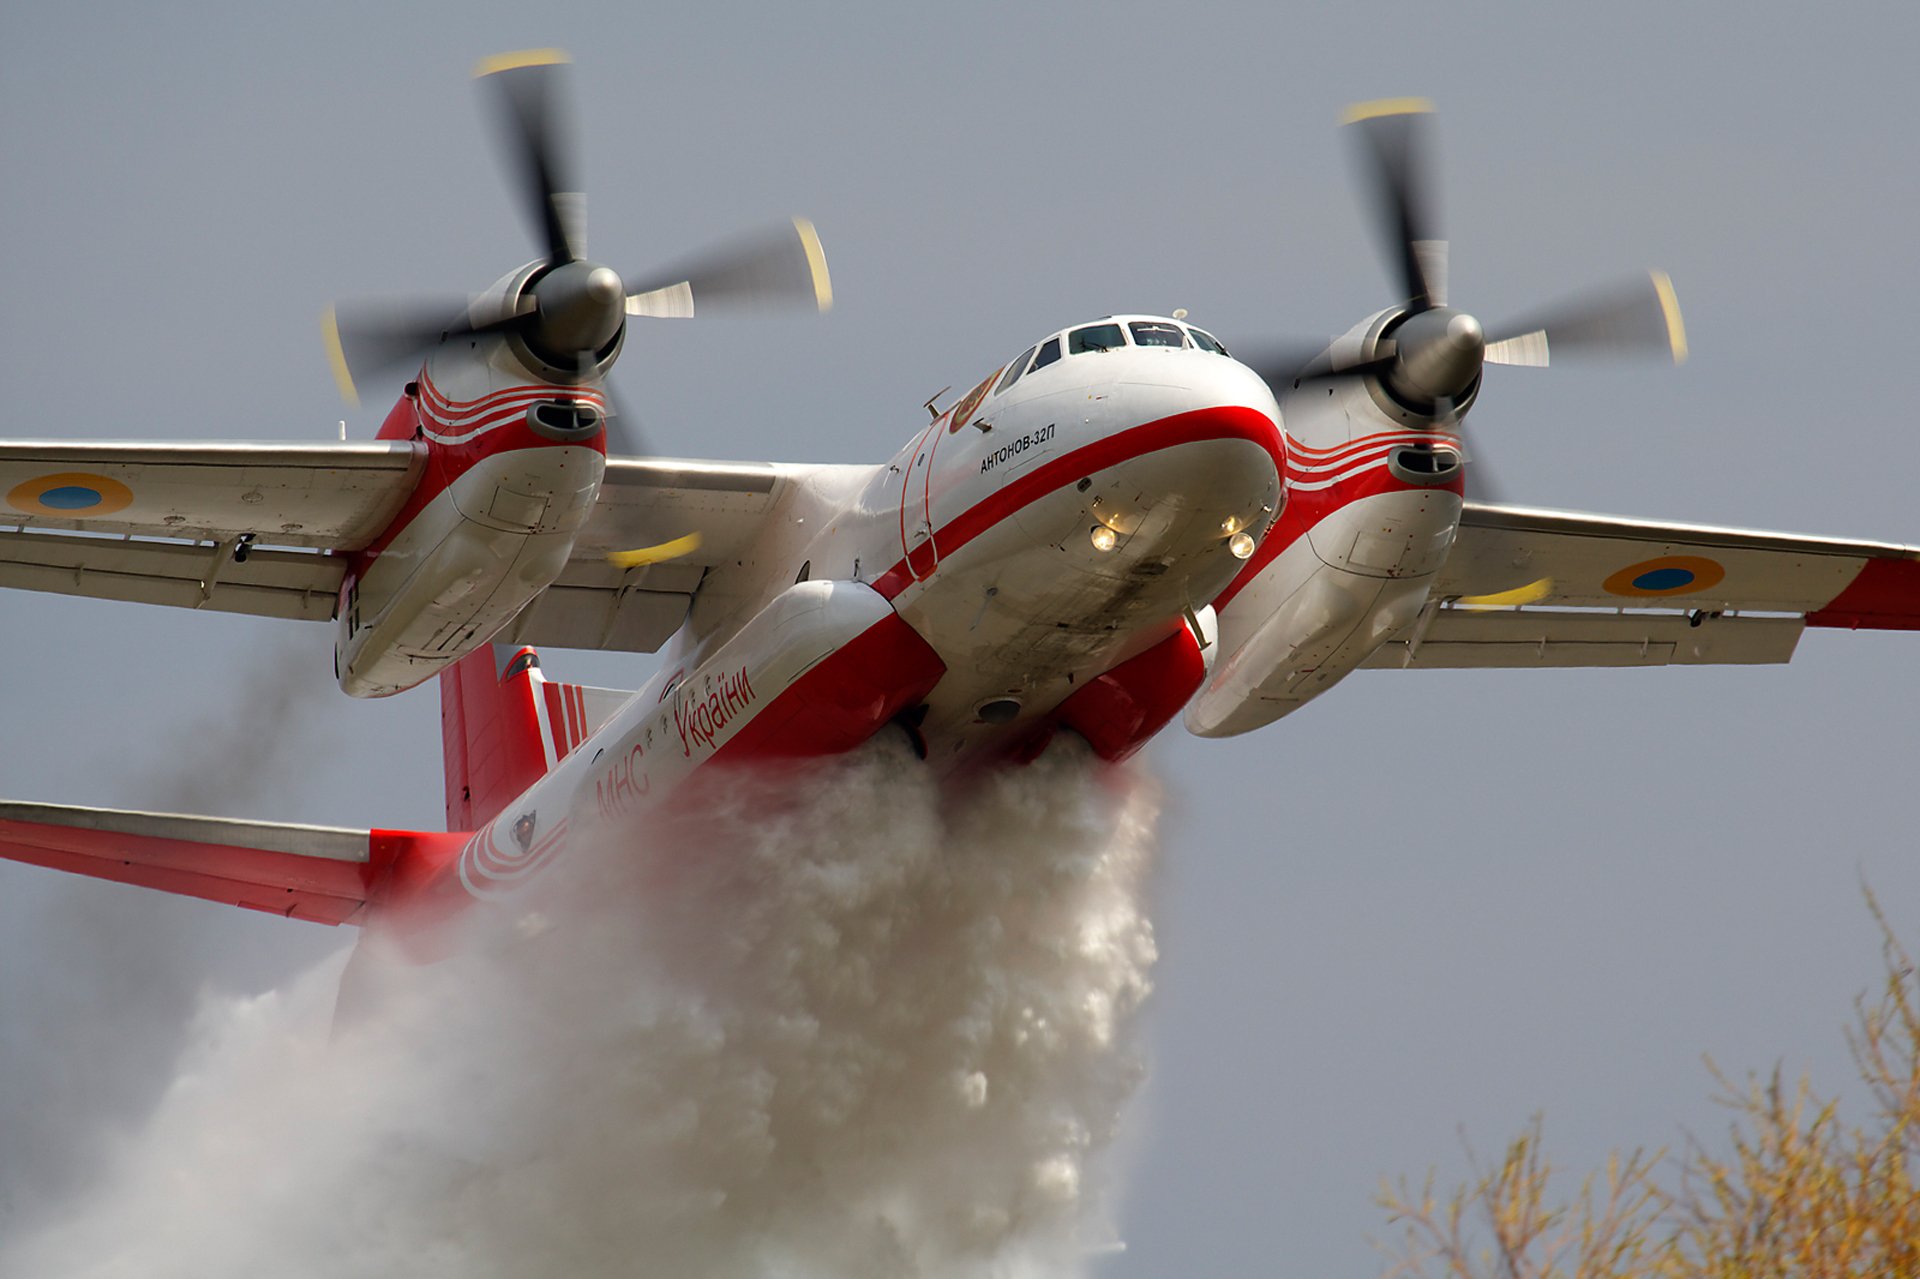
x: 463, y: 567
x: 1323, y: 606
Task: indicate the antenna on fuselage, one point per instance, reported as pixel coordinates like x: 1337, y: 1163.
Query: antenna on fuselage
x: 933, y: 399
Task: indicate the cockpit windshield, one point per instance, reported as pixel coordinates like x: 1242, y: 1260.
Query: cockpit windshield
x: 1015, y: 369
x: 1095, y: 337
x: 1108, y: 335
x: 1207, y: 342
x: 1156, y: 333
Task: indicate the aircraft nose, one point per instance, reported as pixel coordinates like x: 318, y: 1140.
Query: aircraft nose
x: 1200, y: 503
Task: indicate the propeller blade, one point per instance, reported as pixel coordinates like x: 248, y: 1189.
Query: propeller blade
x: 1481, y: 486
x: 369, y: 340
x: 673, y: 550
x: 1394, y: 131
x: 1640, y: 316
x: 534, y: 131
x: 1284, y: 366
x: 623, y: 438
x: 769, y: 269
x: 623, y: 431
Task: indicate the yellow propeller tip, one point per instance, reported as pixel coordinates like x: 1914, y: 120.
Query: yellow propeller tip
x: 337, y: 358
x: 523, y: 58
x: 1670, y: 310
x: 816, y: 264
x: 1531, y: 593
x: 656, y: 554
x: 1384, y: 107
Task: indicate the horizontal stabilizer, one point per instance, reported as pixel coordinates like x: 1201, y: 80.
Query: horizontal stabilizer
x: 321, y: 873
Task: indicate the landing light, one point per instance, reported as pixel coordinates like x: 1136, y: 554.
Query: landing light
x: 1104, y: 538
x: 1241, y: 544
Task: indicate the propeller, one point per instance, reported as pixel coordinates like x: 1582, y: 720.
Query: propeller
x: 566, y: 314
x: 1426, y: 355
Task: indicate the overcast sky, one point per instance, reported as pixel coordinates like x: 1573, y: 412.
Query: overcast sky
x: 1427, y: 902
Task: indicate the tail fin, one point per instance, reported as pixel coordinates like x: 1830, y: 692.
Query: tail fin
x: 503, y: 725
x: 490, y: 733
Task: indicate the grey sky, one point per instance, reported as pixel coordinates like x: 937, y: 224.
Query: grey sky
x: 1426, y: 901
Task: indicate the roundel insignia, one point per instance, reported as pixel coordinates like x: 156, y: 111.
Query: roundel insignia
x: 70, y: 493
x: 1668, y: 575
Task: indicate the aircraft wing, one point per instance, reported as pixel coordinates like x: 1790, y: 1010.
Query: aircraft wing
x: 1526, y: 587
x: 317, y: 873
x: 159, y: 523
x: 656, y: 502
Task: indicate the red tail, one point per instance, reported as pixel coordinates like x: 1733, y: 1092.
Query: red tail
x: 504, y: 725
x: 490, y: 725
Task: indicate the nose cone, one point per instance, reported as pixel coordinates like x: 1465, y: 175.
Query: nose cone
x: 1439, y: 355
x: 603, y: 286
x: 581, y: 307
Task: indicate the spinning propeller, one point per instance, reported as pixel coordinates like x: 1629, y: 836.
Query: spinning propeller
x: 566, y: 315
x: 1426, y: 356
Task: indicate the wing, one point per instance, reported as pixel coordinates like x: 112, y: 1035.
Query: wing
x: 318, y: 873
x: 159, y: 523
x: 648, y: 503
x: 1527, y: 587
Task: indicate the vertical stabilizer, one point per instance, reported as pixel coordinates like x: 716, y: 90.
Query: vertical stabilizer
x: 504, y: 724
x: 491, y: 732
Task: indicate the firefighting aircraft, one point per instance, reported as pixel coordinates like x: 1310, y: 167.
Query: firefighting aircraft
x: 1122, y: 524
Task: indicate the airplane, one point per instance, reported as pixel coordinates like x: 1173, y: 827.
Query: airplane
x: 1123, y: 524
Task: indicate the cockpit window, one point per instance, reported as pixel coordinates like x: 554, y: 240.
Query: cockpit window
x: 1156, y: 333
x: 1207, y: 342
x: 1014, y: 370
x: 1049, y: 352
x: 1095, y: 337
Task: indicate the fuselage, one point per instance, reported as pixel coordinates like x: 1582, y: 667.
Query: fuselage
x: 1040, y: 531
x: 1110, y: 529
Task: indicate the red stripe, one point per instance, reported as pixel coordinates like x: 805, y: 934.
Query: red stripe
x: 1318, y: 457
x: 1225, y: 423
x: 1884, y: 596
x: 1304, y: 509
x: 431, y: 394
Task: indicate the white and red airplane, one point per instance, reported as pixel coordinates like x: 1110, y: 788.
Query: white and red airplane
x: 1121, y: 525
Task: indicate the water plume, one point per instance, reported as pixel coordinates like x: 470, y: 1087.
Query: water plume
x: 106, y: 978
x: 840, y: 1021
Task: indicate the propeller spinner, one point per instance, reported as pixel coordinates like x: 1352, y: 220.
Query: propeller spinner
x: 566, y: 315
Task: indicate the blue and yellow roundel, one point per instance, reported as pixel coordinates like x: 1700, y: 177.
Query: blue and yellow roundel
x: 1668, y: 575
x: 69, y: 494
